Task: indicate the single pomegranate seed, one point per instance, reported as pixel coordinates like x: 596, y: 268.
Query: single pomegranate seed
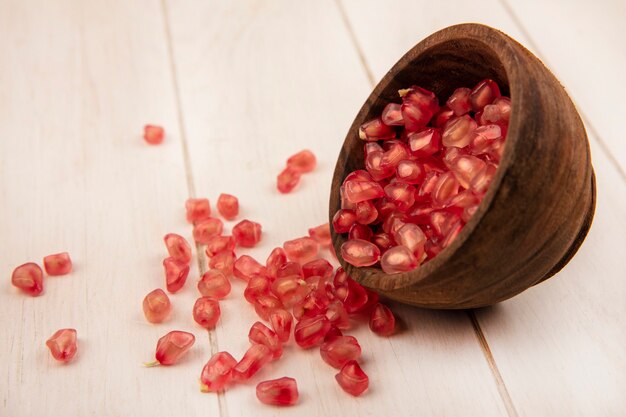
x: 332, y: 334
x: 353, y: 296
x: 485, y: 139
x: 459, y: 131
x: 282, y: 391
x: 246, y: 266
x: 156, y: 306
x: 214, y: 284
x: 339, y: 350
x: 442, y: 221
x: 257, y: 285
x: 410, y: 172
x: 418, y: 107
x: 290, y: 290
x: 256, y: 357
x: 153, y: 134
x: 321, y: 234
x: 218, y: 244
x: 172, y: 347
x: 276, y: 259
x: 360, y: 174
x: 401, y: 194
x: 28, y: 278
x: 62, y: 345
x: 459, y: 101
x: 207, y: 229
x: 176, y: 273
x: 217, y: 372
x: 302, y: 249
x: 365, y: 212
x: 317, y: 267
x: 411, y: 236
x: 228, y: 206
x: 357, y: 191
x: 398, y: 259
x: 197, y: 209
x: 466, y: 168
x: 281, y: 321
x: 484, y: 93
x: 375, y: 167
x: 383, y: 240
x: 310, y: 331
x: 441, y: 118
x: 375, y: 129
x: 361, y: 232
x: 483, y: 178
x: 359, y: 252
x: 445, y: 189
x: 265, y: 304
x: 177, y: 247
x: 263, y: 335
x: 206, y: 312
x: 224, y: 262
x: 247, y: 233
x: 303, y: 161
x: 352, y: 379
x: 392, y: 115
x: 289, y: 269
x: 58, y: 264
x: 395, y: 151
x: 343, y: 220
x: 341, y: 277
x: 288, y: 179
x: 337, y: 314
x: 382, y: 320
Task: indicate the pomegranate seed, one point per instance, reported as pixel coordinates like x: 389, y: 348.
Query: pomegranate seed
x: 206, y: 312
x: 410, y: 172
x: 357, y: 191
x: 333, y: 333
x: 256, y: 357
x: 58, y: 264
x: 321, y: 234
x: 303, y: 161
x: 275, y: 261
x: 290, y: 290
x: 485, y: 138
x: 224, y: 262
x: 207, y: 229
x: 441, y: 118
x: 359, y: 252
x: 197, y: 209
x: 257, y: 285
x: 177, y: 247
x: 247, y: 233
x: 459, y: 101
x: 459, y: 131
x: 484, y: 93
x: 218, y: 244
x: 282, y: 391
x: 443, y: 221
x: 281, y: 321
x: 341, y: 349
x: 382, y: 320
x: 483, y: 178
x: 337, y: 315
x: 217, y: 372
x: 375, y: 129
x: 214, y: 284
x: 265, y: 304
x: 352, y: 379
x: 372, y: 300
x: 343, y: 220
x: 175, y: 274
x: 392, y: 115
x: 410, y: 236
x: 310, y: 331
x: 353, y: 296
x: 401, y: 194
x: 228, y: 206
x: 172, y: 347
x: 263, y: 335
x: 153, y: 134
x: 341, y: 277
x: 445, y: 189
x: 465, y: 168
x: 246, y: 266
x: 156, y: 306
x: 398, y: 259
x: 312, y: 305
x: 28, y: 278
x: 360, y: 174
x: 395, y: 152
x: 360, y: 232
x: 374, y: 166
x: 317, y: 267
x: 383, y: 241
x: 288, y: 179
x: 289, y: 269
x: 418, y: 107
x: 302, y: 249
x: 62, y: 345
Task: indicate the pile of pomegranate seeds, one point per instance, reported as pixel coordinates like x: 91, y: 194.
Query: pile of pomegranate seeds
x: 426, y: 170
x: 62, y: 345
x: 153, y: 134
x: 298, y: 164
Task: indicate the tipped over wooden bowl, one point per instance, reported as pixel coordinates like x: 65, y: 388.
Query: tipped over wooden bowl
x: 540, y: 204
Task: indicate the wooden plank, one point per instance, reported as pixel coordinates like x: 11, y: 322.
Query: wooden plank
x: 77, y: 83
x: 259, y: 81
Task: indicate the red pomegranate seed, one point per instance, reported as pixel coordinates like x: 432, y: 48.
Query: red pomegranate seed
x: 175, y: 274
x: 62, y: 345
x: 214, y: 284
x: 410, y: 172
x: 365, y: 212
x: 303, y: 161
x: 401, y: 194
x: 172, y: 347
x: 206, y: 229
x: 441, y: 118
x: 153, y: 134
x: 418, y: 107
x: 246, y: 266
x: 263, y: 335
x: 353, y: 296
x: 357, y: 191
x: 343, y: 220
x: 310, y: 331
x: 361, y: 232
x: 398, y: 259
x: 28, y: 278
x: 228, y: 206
x: 281, y: 321
x: 58, y: 264
x: 392, y: 115
x: 442, y: 221
x: 337, y: 315
x: 445, y: 189
x: 288, y: 179
x: 484, y: 93
x: 341, y: 277
x: 359, y: 252
x: 290, y: 290
x: 321, y: 234
x: 206, y: 312
x: 289, y: 269
x: 224, y: 262
x: 156, y: 306
x: 481, y: 181
x: 197, y: 209
x: 333, y: 333
x: 265, y: 304
x: 257, y: 285
x: 459, y: 101
x: 459, y: 131
x: 499, y: 112
x: 282, y: 391
x: 276, y: 259
x: 361, y: 174
x: 352, y: 379
x: 317, y: 267
x: 314, y: 304
x: 177, y: 247
x: 374, y: 166
x: 302, y: 249
x: 484, y: 138
x: 465, y: 168
x: 256, y: 357
x: 217, y: 372
x: 411, y: 236
x: 218, y: 244
x: 247, y: 233
x: 375, y: 129
x: 340, y: 350
x: 383, y: 240
x: 382, y: 320
x: 395, y: 151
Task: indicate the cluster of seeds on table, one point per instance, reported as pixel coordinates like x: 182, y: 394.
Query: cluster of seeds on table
x: 426, y: 169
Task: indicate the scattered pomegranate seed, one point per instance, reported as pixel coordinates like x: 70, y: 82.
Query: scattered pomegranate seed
x: 172, y: 347
x: 62, y: 345
x: 214, y: 284
x: 332, y: 334
x: 282, y: 391
x: 310, y: 331
x: 359, y: 252
x: 257, y: 285
x: 263, y: 335
x: 247, y: 233
x: 228, y: 206
x: 276, y: 259
x: 337, y: 314
x: 339, y: 350
x: 197, y: 209
x: 289, y: 269
x: 265, y: 304
x: 256, y: 357
x: 352, y: 379
x: 58, y: 264
x: 177, y: 247
x: 207, y: 229
x: 321, y: 234
x: 218, y: 244
x: 303, y: 161
x: 382, y: 320
x: 288, y: 179
x: 223, y: 261
x: 246, y: 266
x: 317, y: 267
x: 206, y: 312
x: 156, y: 306
x: 217, y: 372
x: 353, y: 295
x: 175, y: 274
x: 153, y: 134
x: 281, y: 321
x: 28, y: 278
x: 301, y: 250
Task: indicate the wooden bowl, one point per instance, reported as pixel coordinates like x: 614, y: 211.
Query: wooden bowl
x: 540, y: 204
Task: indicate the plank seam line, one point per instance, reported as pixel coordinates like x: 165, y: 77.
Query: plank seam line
x: 200, y: 256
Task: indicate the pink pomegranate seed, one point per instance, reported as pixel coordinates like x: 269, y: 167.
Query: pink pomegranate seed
x: 265, y: 304
x: 282, y: 391
x: 441, y: 118
x: 62, y: 345
x: 353, y: 296
x: 153, y: 134
x: 303, y: 161
x: 361, y: 232
x: 319, y: 267
x: 321, y: 234
x: 28, y: 278
x: 343, y: 220
x: 337, y: 315
x: 281, y: 321
x: 464, y: 199
x: 156, y: 306
x: 217, y: 372
x: 257, y: 285
x: 314, y: 304
x: 287, y: 180
x: 256, y: 357
x: 445, y: 189
x: 340, y: 350
x: 58, y: 264
x: 333, y: 333
x: 382, y: 320
x: 360, y: 174
x: 395, y: 152
x: 375, y: 129
x: 172, y: 347
x: 401, y: 194
x: 352, y: 379
x: 246, y: 266
x: 483, y: 178
x: 206, y: 229
x: 410, y: 172
x: 177, y: 247
x: 341, y: 277
x: 398, y: 259
x: 175, y: 274
x: 484, y: 93
x: 383, y: 241
x: 247, y: 233
x: 310, y: 331
x: 465, y: 168
x: 218, y: 244
x: 418, y: 107
x: 459, y: 101
x: 357, y: 191
x: 411, y: 236
x: 228, y: 206
x: 359, y: 252
x: 263, y: 335
x: 206, y: 312
x: 374, y: 166
x: 459, y: 131
x: 276, y: 259
x: 289, y: 269
x: 214, y: 284
x: 392, y: 115
x: 224, y: 262
x: 290, y: 290
x: 302, y: 249
x: 442, y: 221
x: 498, y: 112
x: 197, y: 209
x: 365, y: 212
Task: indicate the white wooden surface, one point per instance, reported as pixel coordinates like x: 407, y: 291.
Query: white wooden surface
x: 239, y: 86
